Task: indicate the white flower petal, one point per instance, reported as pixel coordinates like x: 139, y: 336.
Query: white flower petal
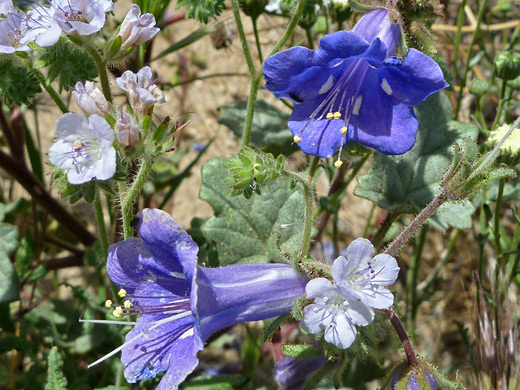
x: 71, y: 124
x: 360, y: 249
x: 358, y: 312
x: 321, y: 288
x: 316, y: 317
x: 106, y: 167
x: 378, y: 297
x: 386, y: 270
x: 60, y: 154
x: 342, y: 334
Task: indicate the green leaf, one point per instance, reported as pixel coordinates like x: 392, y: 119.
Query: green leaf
x: 17, y: 85
x: 241, y: 227
x: 269, y: 130
x: 272, y: 325
x: 300, y: 351
x: 9, y: 282
x: 457, y: 215
x: 67, y: 64
x: 55, y: 378
x: 407, y: 183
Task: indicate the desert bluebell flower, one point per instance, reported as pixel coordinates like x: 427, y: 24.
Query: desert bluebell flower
x: 351, y: 90
x: 358, y: 288
x: 137, y: 28
x: 14, y: 32
x: 44, y: 28
x: 84, y: 148
x: 127, y: 130
x: 181, y: 304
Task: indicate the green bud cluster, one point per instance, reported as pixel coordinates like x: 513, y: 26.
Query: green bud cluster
x: 250, y: 170
x: 253, y: 8
x: 202, y: 10
x: 470, y: 172
x: 478, y: 87
x: 507, y: 65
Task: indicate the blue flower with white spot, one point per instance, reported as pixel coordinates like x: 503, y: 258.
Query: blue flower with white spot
x: 181, y: 304
x: 351, y: 90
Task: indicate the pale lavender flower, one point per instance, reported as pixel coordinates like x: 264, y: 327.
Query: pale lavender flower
x: 137, y: 28
x: 42, y: 25
x: 81, y: 17
x: 13, y: 29
x: 365, y: 276
x: 141, y: 90
x: 293, y: 373
x: 90, y: 99
x: 84, y: 148
x: 127, y: 130
x: 358, y: 288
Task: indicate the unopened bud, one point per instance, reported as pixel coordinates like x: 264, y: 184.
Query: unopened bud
x: 90, y: 99
x: 253, y: 8
x: 126, y: 129
x: 414, y: 378
x: 137, y: 28
x: 478, y: 87
x: 507, y: 65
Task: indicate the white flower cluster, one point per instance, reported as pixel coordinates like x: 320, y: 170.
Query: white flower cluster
x: 44, y: 25
x: 358, y: 289
x: 84, y: 147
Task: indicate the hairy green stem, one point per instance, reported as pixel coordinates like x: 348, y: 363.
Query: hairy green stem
x: 246, y: 136
x: 480, y: 16
x: 52, y: 93
x: 102, y: 70
x: 243, y: 40
x: 129, y: 197
x: 412, y: 277
x: 496, y: 224
x: 310, y: 41
x: 500, y: 107
x: 412, y: 228
x: 257, y: 39
x: 306, y: 240
x: 100, y: 219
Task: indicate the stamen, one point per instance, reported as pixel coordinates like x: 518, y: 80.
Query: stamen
x: 108, y: 303
x: 122, y: 293
x: 330, y: 115
x: 338, y: 164
x: 337, y: 115
x: 118, y: 312
x: 344, y: 130
x: 297, y: 139
x: 127, y: 304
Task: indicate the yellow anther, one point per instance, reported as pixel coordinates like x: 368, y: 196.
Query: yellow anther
x: 122, y: 293
x: 118, y: 311
x: 108, y: 304
x: 297, y: 139
x: 330, y: 115
x: 127, y: 304
x: 344, y: 130
x: 337, y: 115
x: 338, y: 163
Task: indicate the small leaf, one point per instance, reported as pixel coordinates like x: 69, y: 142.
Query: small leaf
x: 300, y: 351
x: 202, y: 10
x: 271, y: 326
x: 241, y: 227
x: 17, y: 85
x: 9, y: 282
x: 55, y: 378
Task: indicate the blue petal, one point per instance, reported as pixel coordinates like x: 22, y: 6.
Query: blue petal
x: 340, y: 45
x: 130, y: 264
x: 246, y: 292
x: 171, y: 346
x: 171, y: 247
x: 280, y: 68
x: 414, y: 79
x: 380, y: 125
x: 377, y: 24
x: 320, y: 138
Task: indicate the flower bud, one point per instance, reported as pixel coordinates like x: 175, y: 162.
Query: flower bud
x: 253, y: 8
x: 137, y: 28
x: 293, y: 373
x: 478, y: 87
x: 507, y: 65
x: 126, y: 129
x: 413, y: 378
x: 90, y: 99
